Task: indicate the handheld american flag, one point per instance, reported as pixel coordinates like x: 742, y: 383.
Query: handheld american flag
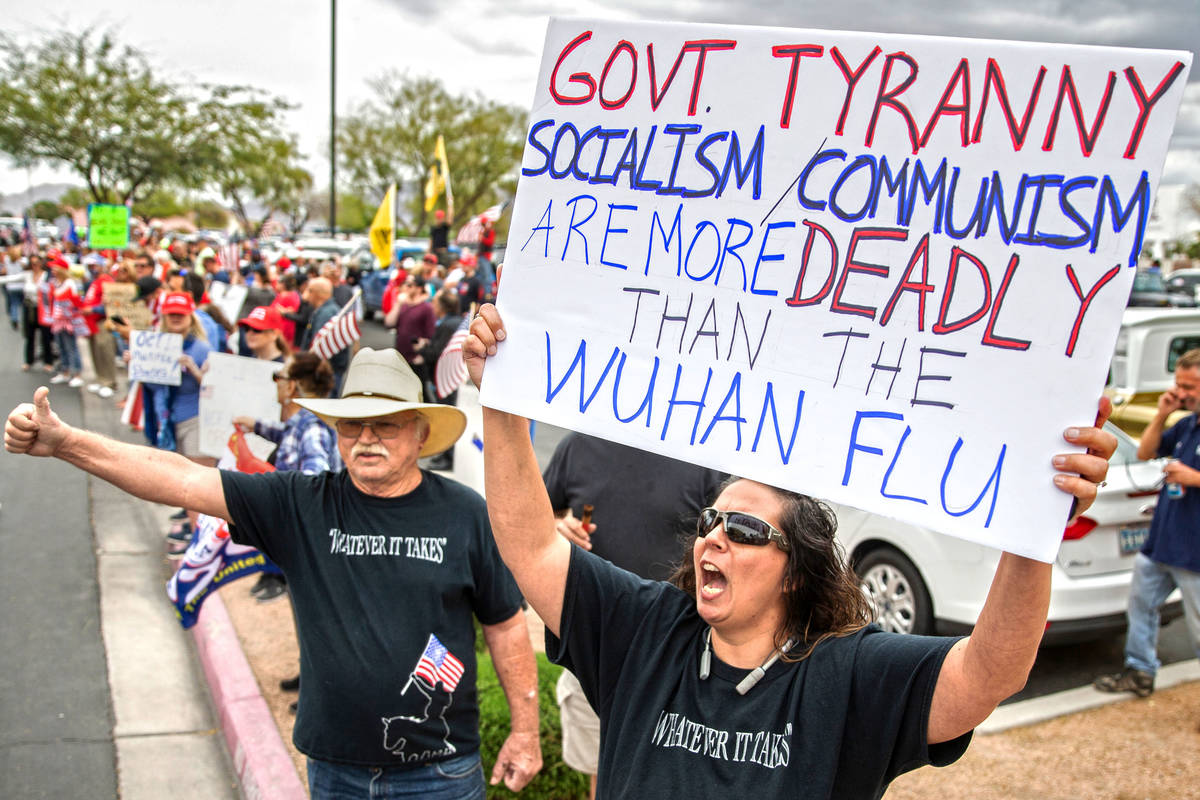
x: 29, y: 246
x: 340, y: 332
x: 231, y: 254
x: 451, y: 370
x: 438, y: 663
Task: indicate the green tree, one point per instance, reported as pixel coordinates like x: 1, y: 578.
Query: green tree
x: 161, y: 202
x: 78, y: 197
x: 392, y: 138
x: 353, y: 212
x: 46, y: 209
x: 210, y: 214
x: 254, y: 159
x: 98, y: 109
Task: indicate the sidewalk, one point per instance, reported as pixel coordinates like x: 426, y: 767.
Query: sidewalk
x: 166, y: 738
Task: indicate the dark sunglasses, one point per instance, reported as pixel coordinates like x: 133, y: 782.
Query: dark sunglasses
x: 353, y: 428
x: 741, y: 528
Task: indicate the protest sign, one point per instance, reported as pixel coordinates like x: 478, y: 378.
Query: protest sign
x: 234, y: 386
x: 119, y: 303
x: 154, y: 357
x: 883, y: 270
x: 108, y: 226
x: 228, y: 298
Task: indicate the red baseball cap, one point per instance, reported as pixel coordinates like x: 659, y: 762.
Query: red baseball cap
x: 177, y: 303
x: 263, y: 318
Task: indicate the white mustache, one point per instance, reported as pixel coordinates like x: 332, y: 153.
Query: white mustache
x: 367, y: 450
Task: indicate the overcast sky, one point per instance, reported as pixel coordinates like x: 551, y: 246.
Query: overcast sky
x: 282, y: 46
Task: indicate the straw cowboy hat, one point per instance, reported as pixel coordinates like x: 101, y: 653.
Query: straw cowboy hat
x: 379, y: 383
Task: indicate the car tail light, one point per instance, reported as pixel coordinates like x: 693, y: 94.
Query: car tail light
x: 1079, y: 528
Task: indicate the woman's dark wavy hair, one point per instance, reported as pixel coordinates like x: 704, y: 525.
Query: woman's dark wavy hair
x: 822, y: 596
x: 312, y: 372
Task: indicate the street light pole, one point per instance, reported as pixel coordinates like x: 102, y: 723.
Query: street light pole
x: 332, y: 117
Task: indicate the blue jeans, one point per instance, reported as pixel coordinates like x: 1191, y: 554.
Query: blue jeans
x: 459, y: 778
x: 1151, y: 584
x: 15, y: 298
x: 68, y: 350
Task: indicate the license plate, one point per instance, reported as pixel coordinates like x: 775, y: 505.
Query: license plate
x: 1132, y: 539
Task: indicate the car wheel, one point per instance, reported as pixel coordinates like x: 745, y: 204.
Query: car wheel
x: 896, y: 592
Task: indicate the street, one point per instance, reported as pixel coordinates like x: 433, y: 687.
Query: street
x: 54, y: 688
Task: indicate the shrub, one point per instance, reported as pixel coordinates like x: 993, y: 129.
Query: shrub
x: 556, y: 781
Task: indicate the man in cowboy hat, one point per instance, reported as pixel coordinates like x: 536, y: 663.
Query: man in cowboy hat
x: 387, y: 565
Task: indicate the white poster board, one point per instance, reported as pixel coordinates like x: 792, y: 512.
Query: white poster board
x: 154, y: 357
x: 235, y: 386
x: 883, y: 270
x: 228, y: 297
x: 468, y: 450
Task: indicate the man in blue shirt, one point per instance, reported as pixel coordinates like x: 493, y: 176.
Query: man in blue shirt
x: 1170, y: 558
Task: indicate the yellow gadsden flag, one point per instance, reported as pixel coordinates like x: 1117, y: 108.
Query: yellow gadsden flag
x: 383, y: 228
x: 439, y: 180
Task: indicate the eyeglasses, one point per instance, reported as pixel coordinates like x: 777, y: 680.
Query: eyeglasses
x: 353, y: 428
x: 741, y: 528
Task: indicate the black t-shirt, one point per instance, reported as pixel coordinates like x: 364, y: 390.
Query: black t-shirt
x: 1172, y: 539
x: 645, y: 504
x: 470, y: 291
x: 384, y: 590
x: 439, y: 236
x: 840, y: 724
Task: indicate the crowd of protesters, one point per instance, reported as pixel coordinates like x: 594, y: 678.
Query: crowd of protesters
x: 56, y: 300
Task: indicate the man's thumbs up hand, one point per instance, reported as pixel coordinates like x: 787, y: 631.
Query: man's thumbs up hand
x: 34, y: 428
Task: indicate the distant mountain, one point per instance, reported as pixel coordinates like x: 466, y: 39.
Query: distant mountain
x: 14, y: 204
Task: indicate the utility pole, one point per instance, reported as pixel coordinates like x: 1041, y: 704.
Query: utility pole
x: 332, y: 117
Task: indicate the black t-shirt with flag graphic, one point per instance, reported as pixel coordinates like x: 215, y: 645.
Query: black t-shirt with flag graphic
x: 840, y: 724
x: 384, y: 591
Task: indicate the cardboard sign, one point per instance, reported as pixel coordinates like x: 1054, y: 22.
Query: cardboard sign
x: 108, y: 226
x: 234, y: 386
x: 154, y: 357
x: 119, y: 302
x: 883, y: 270
x: 228, y: 298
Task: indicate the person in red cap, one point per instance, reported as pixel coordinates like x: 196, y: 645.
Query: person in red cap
x: 439, y: 237
x: 177, y: 408
x: 263, y: 332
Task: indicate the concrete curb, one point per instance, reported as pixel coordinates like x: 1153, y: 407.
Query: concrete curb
x: 259, y: 755
x: 1072, y: 701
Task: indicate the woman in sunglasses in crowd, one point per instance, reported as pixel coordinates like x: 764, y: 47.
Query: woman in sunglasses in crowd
x: 755, y: 672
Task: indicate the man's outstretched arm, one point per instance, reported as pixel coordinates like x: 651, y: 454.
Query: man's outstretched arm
x: 159, y: 476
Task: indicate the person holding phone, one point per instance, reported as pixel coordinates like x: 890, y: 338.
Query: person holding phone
x: 1170, y: 558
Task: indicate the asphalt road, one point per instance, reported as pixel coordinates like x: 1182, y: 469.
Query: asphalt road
x: 55, y: 715
x: 1057, y: 668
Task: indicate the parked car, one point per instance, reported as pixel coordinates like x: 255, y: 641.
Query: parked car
x: 1184, y: 282
x: 924, y: 582
x: 1149, y: 289
x: 1143, y: 363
